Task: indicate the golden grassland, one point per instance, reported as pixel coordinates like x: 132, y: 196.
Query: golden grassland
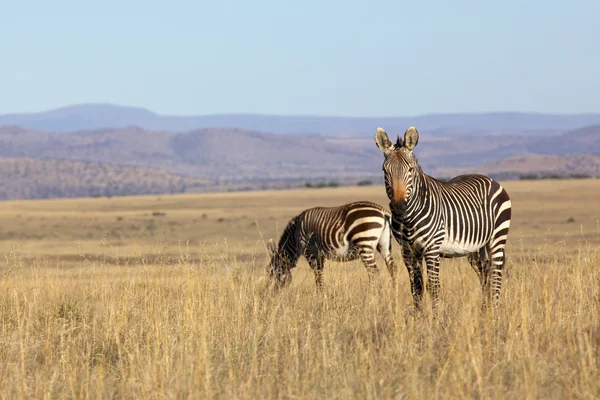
x: 164, y: 297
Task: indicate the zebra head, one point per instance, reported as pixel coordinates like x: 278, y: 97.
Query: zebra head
x: 279, y: 265
x: 399, y: 166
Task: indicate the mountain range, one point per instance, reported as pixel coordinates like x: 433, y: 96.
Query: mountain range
x: 111, y: 150
x: 101, y: 116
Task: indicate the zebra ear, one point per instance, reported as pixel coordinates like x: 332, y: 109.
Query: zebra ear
x: 411, y: 138
x: 271, y: 246
x: 382, y: 141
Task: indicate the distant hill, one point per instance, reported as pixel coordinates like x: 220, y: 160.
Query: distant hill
x: 47, y: 179
x: 238, y: 158
x: 233, y: 154
x: 103, y: 116
x: 544, y: 166
x: 216, y: 154
x: 583, y: 140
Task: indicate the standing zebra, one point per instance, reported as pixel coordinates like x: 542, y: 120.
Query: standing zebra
x: 466, y: 216
x: 341, y: 233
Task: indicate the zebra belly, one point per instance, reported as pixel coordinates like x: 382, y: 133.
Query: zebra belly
x: 343, y: 251
x: 349, y: 252
x: 451, y: 248
x: 346, y: 253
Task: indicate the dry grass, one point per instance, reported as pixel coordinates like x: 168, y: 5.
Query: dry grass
x: 145, y: 315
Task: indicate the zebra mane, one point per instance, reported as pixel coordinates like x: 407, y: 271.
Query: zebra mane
x: 417, y: 163
x: 423, y: 173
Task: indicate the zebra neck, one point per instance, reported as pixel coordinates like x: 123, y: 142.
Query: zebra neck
x: 416, y: 201
x: 290, y: 253
x: 289, y: 245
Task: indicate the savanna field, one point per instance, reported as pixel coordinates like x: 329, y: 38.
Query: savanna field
x: 165, y: 297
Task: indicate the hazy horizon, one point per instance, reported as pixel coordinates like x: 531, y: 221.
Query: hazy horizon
x: 92, y: 104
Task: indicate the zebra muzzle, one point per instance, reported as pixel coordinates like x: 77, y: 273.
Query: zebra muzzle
x: 398, y: 206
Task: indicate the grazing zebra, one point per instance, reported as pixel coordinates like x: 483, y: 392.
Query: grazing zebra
x: 341, y: 233
x: 466, y: 216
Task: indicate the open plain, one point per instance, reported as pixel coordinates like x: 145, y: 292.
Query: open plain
x: 164, y: 297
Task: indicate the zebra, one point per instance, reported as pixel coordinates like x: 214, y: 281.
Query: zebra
x: 467, y: 216
x: 340, y: 233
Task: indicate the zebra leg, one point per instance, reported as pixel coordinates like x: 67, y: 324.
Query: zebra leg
x: 484, y: 277
x: 367, y: 256
x: 480, y: 263
x: 484, y: 265
x: 474, y: 263
x: 432, y: 260
x: 318, y: 270
x: 497, y: 270
x: 392, y: 267
x: 384, y: 247
x: 413, y: 261
x: 497, y: 245
x: 389, y: 261
x: 315, y: 258
x: 316, y: 263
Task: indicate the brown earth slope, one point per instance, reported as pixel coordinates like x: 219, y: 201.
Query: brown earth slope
x: 44, y: 179
x: 249, y: 158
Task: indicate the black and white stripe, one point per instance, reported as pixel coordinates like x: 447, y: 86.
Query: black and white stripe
x: 466, y: 216
x: 342, y: 233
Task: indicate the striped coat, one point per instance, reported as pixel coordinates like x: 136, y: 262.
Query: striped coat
x: 342, y: 233
x: 469, y: 216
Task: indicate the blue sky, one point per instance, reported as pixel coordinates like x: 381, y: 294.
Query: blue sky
x: 337, y: 57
